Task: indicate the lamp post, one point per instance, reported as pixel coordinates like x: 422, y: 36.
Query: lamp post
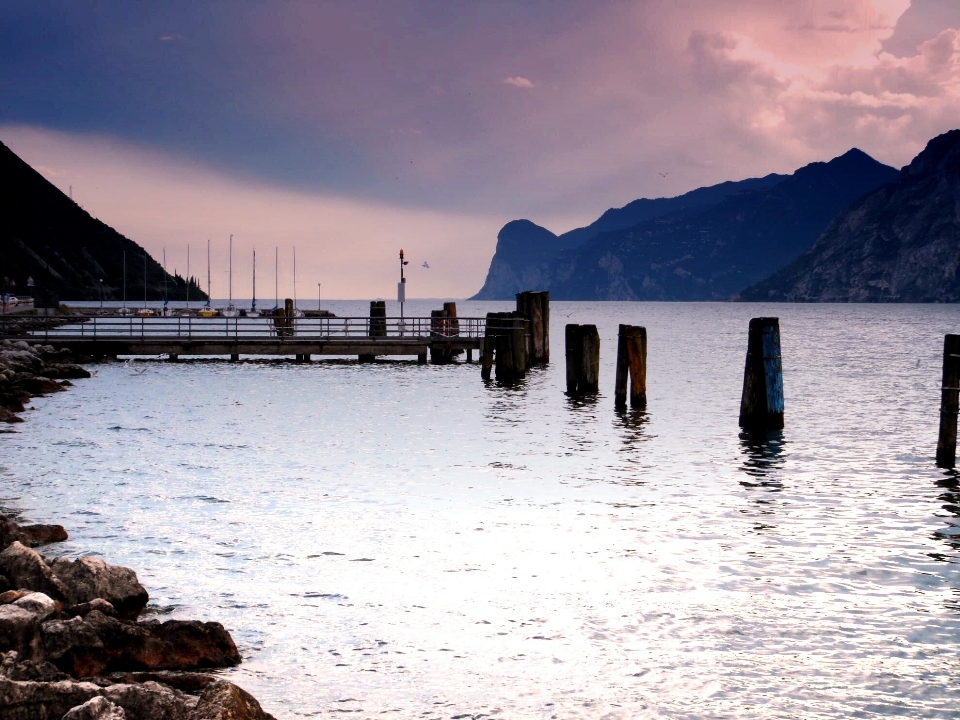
x: 402, y: 288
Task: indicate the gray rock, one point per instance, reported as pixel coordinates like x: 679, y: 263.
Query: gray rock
x: 27, y: 570
x: 86, y: 608
x: 151, y: 701
x: 19, y: 631
x: 95, y: 644
x: 226, y: 701
x: 42, y: 700
x: 88, y: 578
x: 37, y: 603
x: 37, y: 670
x: 98, y: 708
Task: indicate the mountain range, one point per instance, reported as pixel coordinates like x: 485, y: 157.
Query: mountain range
x: 46, y: 236
x: 900, y: 243
x: 708, y: 244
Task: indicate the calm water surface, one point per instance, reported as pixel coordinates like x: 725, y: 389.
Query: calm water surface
x: 394, y: 540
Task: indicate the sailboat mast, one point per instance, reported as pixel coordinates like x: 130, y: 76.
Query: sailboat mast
x: 294, y: 277
x: 188, y: 276
x: 208, y: 272
x: 276, y: 275
x: 164, y: 277
x: 144, y: 280
x: 124, y: 278
x: 253, y: 305
x: 230, y: 303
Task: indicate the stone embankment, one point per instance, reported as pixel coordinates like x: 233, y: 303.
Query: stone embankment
x: 72, y: 643
x: 28, y: 371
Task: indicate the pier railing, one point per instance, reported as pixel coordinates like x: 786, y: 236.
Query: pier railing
x: 189, y: 327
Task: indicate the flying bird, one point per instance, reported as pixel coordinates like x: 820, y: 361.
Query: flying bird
x: 426, y: 265
x: 663, y: 174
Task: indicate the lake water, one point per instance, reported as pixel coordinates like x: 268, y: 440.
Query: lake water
x: 395, y: 540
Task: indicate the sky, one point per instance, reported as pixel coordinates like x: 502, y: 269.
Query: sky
x: 349, y: 129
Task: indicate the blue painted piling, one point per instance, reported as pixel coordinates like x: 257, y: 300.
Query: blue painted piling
x: 761, y: 405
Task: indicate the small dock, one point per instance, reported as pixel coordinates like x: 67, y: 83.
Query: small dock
x: 102, y: 336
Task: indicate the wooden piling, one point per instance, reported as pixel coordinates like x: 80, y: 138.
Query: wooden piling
x: 377, y: 326
x: 453, y: 325
x: 488, y: 348
x: 378, y: 318
x: 573, y: 345
x: 534, y: 307
x: 590, y: 374
x: 761, y: 405
x: 949, y: 403
x: 632, y: 366
x: 235, y: 357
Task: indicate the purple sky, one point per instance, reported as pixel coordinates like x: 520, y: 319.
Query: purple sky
x: 351, y: 128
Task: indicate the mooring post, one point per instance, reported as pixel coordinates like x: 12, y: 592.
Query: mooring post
x: 761, y: 405
x: 235, y: 357
x: 506, y: 356
x: 438, y: 355
x: 453, y: 325
x: 590, y: 377
x: 377, y: 327
x: 534, y: 307
x: 544, y: 353
x: 949, y: 402
x: 623, y: 369
x: 487, y: 350
x: 573, y: 341
x: 637, y: 355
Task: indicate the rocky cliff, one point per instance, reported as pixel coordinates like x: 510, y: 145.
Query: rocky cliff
x: 47, y: 236
x: 898, y: 244
x: 525, y: 250
x: 706, y: 245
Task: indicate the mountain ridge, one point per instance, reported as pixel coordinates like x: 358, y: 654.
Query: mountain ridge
x: 900, y: 243
x: 48, y: 237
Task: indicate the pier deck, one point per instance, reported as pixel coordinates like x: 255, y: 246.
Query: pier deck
x: 114, y: 335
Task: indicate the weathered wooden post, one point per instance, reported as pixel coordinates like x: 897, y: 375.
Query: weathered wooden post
x: 377, y: 328
x: 590, y: 378
x: 534, y: 307
x: 632, y: 362
x: 450, y: 311
x: 486, y: 352
x: 573, y: 341
x: 949, y: 403
x: 438, y: 355
x: 761, y: 405
x: 507, y: 355
x: 378, y: 318
x: 518, y: 345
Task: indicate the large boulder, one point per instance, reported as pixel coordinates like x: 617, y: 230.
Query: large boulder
x: 226, y: 701
x: 33, y: 535
x: 150, y: 701
x: 20, y: 632
x: 95, y: 644
x: 88, y: 578
x: 98, y: 708
x: 38, y: 604
x: 42, y: 700
x: 27, y: 570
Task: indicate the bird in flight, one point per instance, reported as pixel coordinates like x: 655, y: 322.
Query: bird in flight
x: 426, y: 265
x: 663, y: 174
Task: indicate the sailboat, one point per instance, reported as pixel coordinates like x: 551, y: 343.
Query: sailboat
x: 253, y: 311
x: 206, y: 311
x: 230, y: 310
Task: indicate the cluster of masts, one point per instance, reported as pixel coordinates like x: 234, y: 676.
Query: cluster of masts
x: 231, y: 310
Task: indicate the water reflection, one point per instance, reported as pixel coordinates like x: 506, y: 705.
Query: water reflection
x: 763, y: 457
x: 950, y: 497
x: 632, y: 424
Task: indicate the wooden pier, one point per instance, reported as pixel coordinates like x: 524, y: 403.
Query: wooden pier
x: 113, y: 335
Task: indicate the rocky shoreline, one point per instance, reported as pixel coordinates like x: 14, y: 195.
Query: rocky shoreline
x: 72, y: 643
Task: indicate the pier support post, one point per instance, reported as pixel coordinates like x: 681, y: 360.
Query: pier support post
x: 489, y: 346
x: 632, y: 362
x: 583, y: 359
x: 422, y: 359
x: 761, y: 405
x: 949, y: 403
x: 378, y: 326
x: 173, y: 357
x: 235, y: 357
x: 534, y: 307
